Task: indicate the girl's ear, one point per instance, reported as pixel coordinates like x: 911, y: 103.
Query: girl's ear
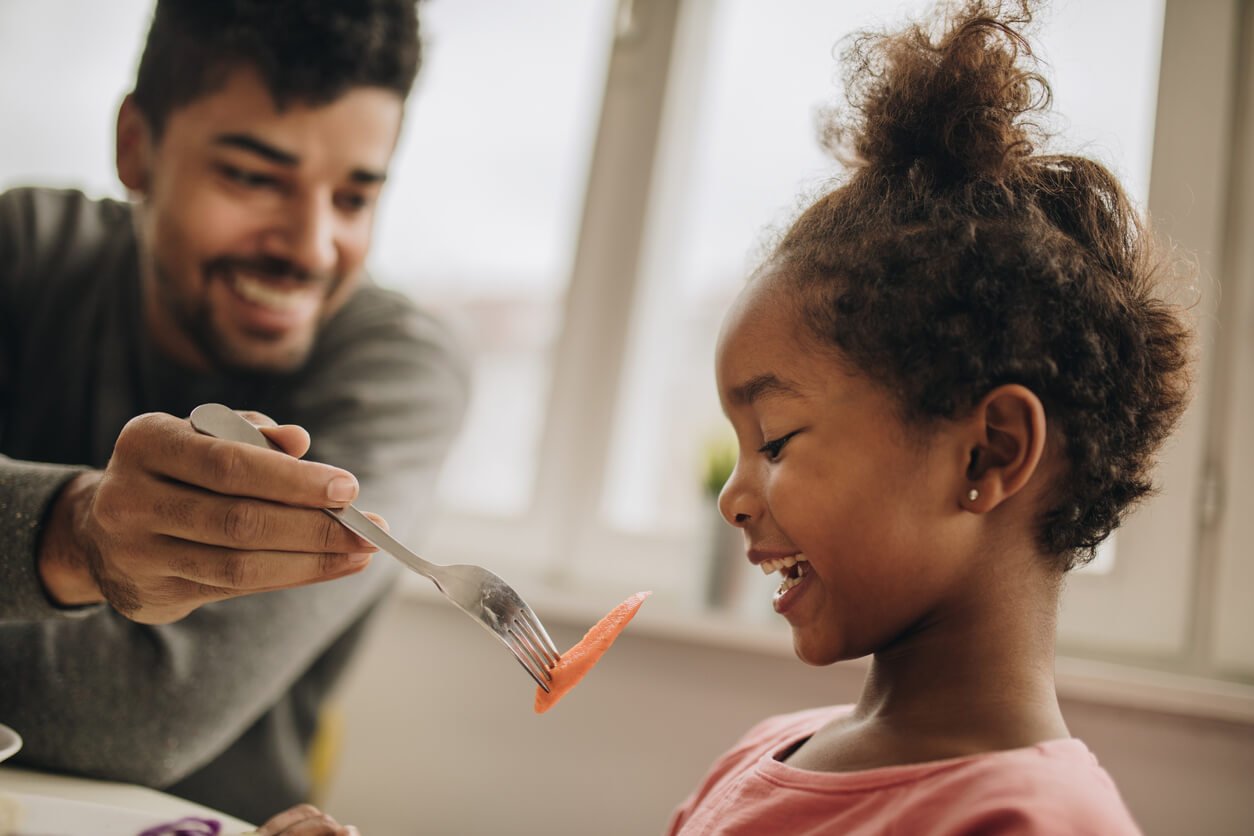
x: 1008, y: 427
x: 134, y: 147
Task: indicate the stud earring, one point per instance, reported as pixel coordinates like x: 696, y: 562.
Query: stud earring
x: 973, y: 495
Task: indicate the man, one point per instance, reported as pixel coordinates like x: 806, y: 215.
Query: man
x: 135, y: 643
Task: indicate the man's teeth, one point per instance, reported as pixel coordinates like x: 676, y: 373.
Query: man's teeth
x: 264, y: 294
x: 781, y: 564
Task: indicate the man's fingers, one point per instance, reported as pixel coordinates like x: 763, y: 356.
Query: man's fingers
x: 171, y: 448
x: 174, y: 597
x: 292, y: 439
x: 257, y: 419
x: 289, y: 438
x: 223, y: 572
x: 238, y: 522
x: 235, y: 469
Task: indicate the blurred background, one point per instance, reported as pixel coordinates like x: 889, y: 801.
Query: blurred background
x: 582, y: 187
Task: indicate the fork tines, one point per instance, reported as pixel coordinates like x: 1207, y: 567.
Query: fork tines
x: 531, y: 644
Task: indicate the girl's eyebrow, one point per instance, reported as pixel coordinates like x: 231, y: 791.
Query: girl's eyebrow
x: 763, y: 385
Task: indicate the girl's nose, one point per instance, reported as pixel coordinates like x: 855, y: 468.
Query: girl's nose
x: 738, y: 502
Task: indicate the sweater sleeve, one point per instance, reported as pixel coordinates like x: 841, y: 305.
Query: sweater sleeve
x: 26, y: 489
x: 150, y: 704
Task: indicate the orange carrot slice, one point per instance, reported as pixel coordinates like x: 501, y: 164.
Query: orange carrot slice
x: 576, y: 662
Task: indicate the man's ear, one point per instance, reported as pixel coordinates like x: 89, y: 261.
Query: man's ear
x: 1006, y: 445
x: 134, y: 147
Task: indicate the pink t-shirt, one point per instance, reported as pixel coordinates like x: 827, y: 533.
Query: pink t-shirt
x: 1056, y: 787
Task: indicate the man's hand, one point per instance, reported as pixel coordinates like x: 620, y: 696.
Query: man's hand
x: 178, y: 519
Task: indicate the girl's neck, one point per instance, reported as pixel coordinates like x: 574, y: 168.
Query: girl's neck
x: 981, y: 669
x: 1000, y: 702
x: 975, y: 677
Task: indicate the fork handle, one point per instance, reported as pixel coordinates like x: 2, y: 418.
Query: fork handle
x: 214, y: 419
x: 367, y: 529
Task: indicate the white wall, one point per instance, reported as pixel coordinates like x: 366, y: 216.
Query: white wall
x: 441, y: 738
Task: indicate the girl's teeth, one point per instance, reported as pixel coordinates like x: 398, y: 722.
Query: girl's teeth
x: 781, y: 564
x: 788, y: 584
x: 789, y: 581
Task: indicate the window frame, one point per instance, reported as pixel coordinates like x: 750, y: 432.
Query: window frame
x: 1225, y: 621
x: 1155, y: 589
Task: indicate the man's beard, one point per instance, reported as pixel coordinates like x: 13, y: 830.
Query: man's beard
x: 195, y: 319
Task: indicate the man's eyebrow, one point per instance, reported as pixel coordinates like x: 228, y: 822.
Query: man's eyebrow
x: 246, y: 142
x: 366, y: 177
x: 763, y: 385
x: 260, y: 148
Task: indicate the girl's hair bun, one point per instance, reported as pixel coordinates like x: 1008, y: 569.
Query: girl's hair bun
x: 943, y: 101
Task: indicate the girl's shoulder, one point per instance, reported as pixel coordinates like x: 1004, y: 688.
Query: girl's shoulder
x: 1056, y: 786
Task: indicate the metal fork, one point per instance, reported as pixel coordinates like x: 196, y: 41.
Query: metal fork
x: 476, y: 591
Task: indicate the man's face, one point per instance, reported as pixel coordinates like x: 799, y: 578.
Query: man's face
x: 254, y: 224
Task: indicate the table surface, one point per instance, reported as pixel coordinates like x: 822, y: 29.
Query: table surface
x: 127, y: 796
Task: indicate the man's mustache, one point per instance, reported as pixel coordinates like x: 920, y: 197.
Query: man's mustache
x: 268, y: 267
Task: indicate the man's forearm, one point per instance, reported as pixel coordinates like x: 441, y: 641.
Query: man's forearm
x: 63, y: 561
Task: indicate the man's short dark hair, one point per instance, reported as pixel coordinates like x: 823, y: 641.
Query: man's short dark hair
x: 307, y: 51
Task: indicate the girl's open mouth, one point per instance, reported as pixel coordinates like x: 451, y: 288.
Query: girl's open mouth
x: 793, y: 570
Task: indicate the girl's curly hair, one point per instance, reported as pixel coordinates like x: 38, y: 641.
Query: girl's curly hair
x: 954, y: 258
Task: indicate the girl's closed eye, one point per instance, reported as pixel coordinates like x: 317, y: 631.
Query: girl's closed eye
x: 772, y: 449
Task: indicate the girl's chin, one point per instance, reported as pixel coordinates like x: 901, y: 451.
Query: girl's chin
x: 817, y: 657
x: 818, y: 648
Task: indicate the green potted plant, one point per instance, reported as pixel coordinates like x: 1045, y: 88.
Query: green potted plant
x: 724, y: 549
x: 719, y: 462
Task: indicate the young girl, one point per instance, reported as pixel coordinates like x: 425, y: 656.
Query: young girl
x: 948, y: 382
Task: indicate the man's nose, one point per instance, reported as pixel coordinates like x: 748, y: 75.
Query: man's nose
x: 310, y: 233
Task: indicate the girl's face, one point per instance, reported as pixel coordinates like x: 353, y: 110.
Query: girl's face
x: 828, y: 476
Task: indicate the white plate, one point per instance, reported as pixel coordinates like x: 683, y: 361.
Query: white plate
x: 10, y: 742
x: 43, y: 814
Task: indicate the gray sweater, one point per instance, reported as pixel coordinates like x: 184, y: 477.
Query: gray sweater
x: 218, y: 707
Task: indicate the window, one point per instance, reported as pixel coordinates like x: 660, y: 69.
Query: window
x: 60, y: 118
x: 482, y: 209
